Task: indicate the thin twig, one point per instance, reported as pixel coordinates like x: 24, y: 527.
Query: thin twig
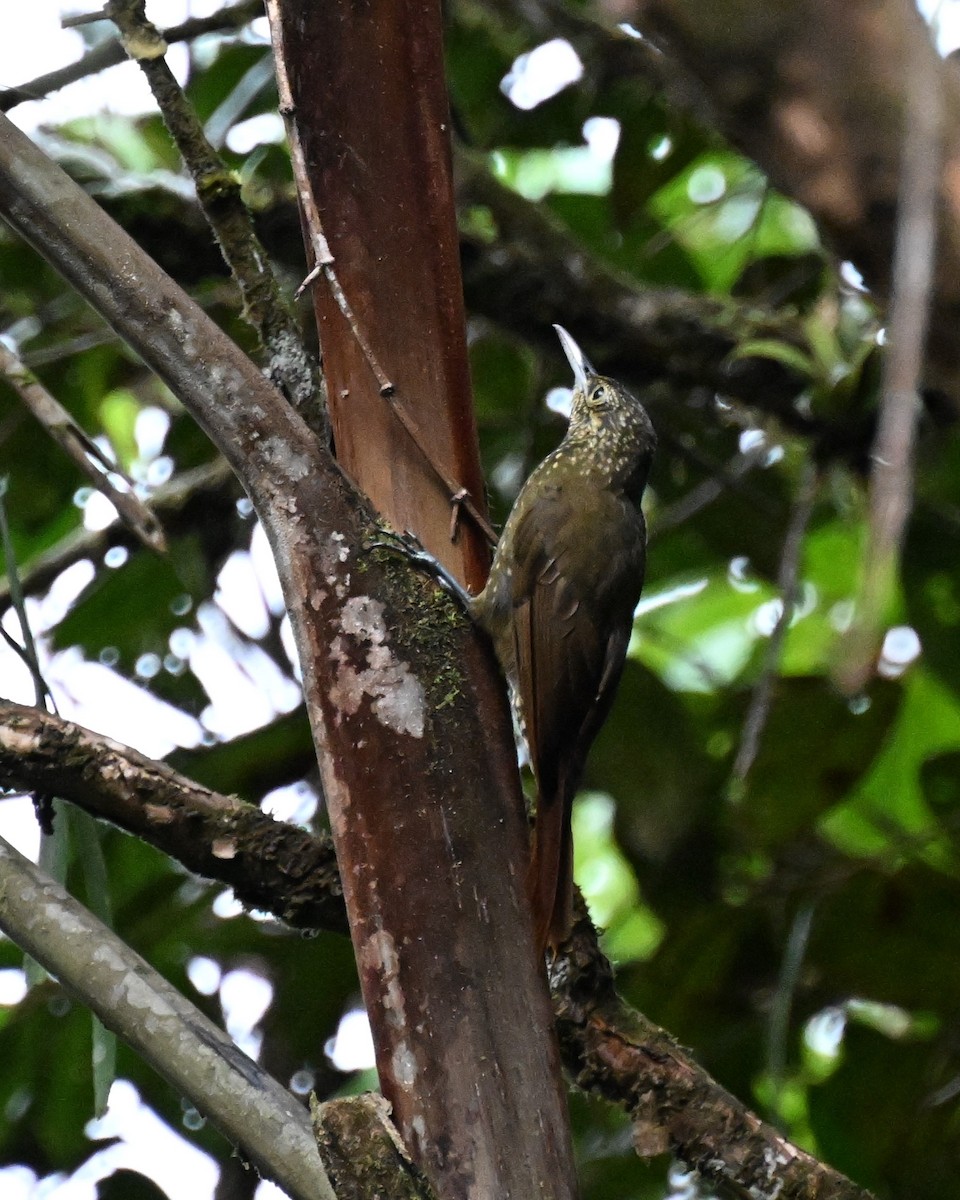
x: 323, y: 258
x: 110, y: 53
x: 891, y: 479
x: 706, y: 492
x: 211, y: 481
x: 84, y: 451
x: 290, y: 366
x: 324, y: 265
x: 759, y: 709
x: 77, y: 20
x: 28, y: 651
x: 778, y: 1025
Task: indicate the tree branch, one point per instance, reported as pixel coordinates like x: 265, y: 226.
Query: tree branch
x: 393, y: 682
x: 538, y: 273
x: 218, y: 190
x: 816, y: 93
x: 248, y: 1106
x: 216, y: 836
x: 77, y: 444
x: 203, y: 498
x: 110, y: 53
x: 613, y: 1051
x: 609, y: 1049
x: 362, y: 1152
x: 892, y: 467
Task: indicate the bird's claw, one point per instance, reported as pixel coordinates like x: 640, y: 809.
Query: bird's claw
x: 411, y: 548
x: 406, y: 543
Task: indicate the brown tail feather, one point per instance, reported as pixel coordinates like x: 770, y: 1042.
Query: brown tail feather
x: 550, y: 877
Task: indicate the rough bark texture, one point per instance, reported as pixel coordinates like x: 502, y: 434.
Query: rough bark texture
x: 446, y: 960
x: 370, y: 109
x: 445, y: 944
x: 216, y: 836
x: 362, y: 1153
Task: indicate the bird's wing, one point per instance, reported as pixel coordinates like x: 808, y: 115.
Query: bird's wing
x: 569, y: 649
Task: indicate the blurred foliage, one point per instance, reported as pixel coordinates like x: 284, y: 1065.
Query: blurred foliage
x: 850, y: 812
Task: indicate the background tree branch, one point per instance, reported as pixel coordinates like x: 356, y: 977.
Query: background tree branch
x: 380, y: 688
x: 189, y: 1050
x: 609, y: 1049
x: 817, y: 95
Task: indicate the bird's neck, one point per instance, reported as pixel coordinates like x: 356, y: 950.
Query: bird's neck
x: 610, y: 455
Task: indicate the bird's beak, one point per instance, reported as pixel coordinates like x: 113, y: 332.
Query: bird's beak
x: 576, y: 358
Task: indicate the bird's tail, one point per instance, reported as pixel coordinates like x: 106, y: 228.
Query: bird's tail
x: 550, y: 875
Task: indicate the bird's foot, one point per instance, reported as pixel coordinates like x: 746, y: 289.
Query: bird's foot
x: 409, y: 546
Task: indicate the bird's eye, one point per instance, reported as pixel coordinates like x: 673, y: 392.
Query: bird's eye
x: 598, y: 393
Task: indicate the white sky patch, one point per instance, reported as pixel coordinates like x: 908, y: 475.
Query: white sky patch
x: 245, y: 997
x: 246, y: 687
x: 205, y: 974
x: 238, y: 594
x: 147, y: 1145
x: 98, y: 511
x: 751, y: 439
x: 93, y: 695
x: 541, y: 74
x: 602, y: 135
x: 682, y: 591
x: 351, y: 1048
x: 150, y: 1147
x: 266, y: 570
x: 823, y: 1033
x: 13, y: 986
x: 901, y: 647
x: 295, y: 802
x: 17, y: 1183
x: 150, y: 430
x: 236, y: 704
x: 18, y: 824
x: 226, y: 906
x: 39, y: 25
x: 41, y: 45
x: 17, y: 680
x: 852, y: 276
x: 269, y: 1191
x: 289, y: 645
x: 560, y: 400
x: 62, y: 594
x: 263, y: 129
x: 765, y: 617
x: 943, y: 16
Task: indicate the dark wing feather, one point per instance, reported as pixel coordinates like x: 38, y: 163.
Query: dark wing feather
x: 577, y: 577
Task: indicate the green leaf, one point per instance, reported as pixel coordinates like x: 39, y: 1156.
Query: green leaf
x: 782, y: 352
x: 814, y: 750
x: 888, y: 803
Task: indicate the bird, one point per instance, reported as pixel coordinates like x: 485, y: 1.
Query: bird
x: 558, y: 607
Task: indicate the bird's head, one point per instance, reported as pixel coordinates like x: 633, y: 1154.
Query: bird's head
x: 601, y: 404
